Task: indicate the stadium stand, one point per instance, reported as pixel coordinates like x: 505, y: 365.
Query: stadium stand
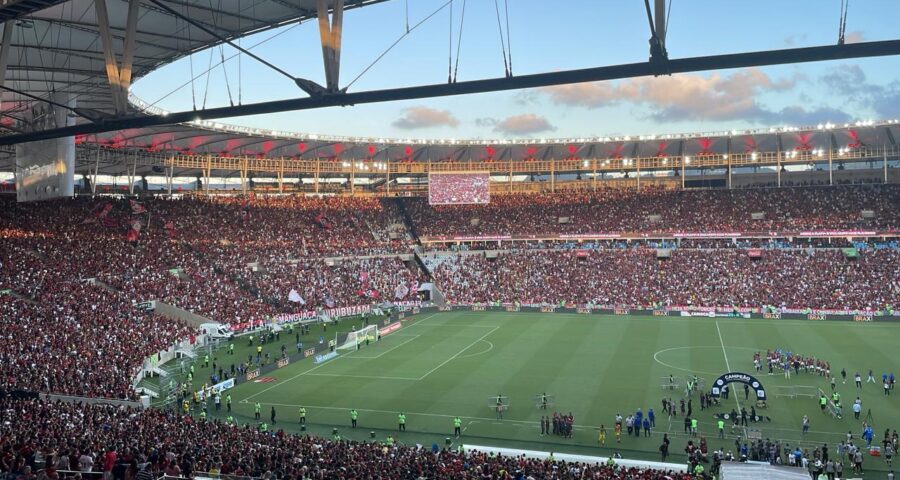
x: 821, y: 279
x: 35, y: 436
x: 661, y: 210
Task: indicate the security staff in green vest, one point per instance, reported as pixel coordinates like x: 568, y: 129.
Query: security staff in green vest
x: 457, y: 424
x: 229, y: 420
x: 264, y: 427
x: 203, y: 415
x: 231, y: 348
x: 192, y: 370
x: 250, y: 344
x: 302, y: 415
x: 353, y: 416
x: 206, y: 361
x: 823, y: 402
x: 228, y: 402
x: 389, y: 441
x: 698, y: 470
x: 693, y: 427
x: 721, y: 425
x: 401, y: 420
x: 256, y: 409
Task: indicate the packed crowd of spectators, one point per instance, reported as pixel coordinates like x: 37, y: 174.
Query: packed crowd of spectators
x: 349, y: 282
x: 660, y: 210
x: 819, y: 279
x: 463, y: 188
x: 57, y: 439
x: 78, y: 339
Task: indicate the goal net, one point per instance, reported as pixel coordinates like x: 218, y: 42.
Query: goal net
x: 359, y: 336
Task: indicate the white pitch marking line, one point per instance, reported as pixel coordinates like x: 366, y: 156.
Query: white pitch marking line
x: 412, y: 337
x: 728, y: 366
x: 360, y: 376
x: 458, y: 353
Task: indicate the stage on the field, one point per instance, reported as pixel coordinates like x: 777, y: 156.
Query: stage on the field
x: 439, y: 366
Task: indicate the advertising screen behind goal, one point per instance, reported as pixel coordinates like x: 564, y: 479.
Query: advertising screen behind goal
x: 459, y: 188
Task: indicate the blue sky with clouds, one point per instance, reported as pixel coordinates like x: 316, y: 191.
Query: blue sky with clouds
x: 556, y: 35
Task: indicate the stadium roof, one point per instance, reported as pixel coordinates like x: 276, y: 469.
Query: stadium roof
x: 57, y: 46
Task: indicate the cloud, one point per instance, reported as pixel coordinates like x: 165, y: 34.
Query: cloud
x: 854, y: 37
x: 844, y: 79
x: 791, y: 40
x: 486, y: 121
x: 425, y: 117
x: 797, y: 115
x: 680, y: 97
x: 524, y: 124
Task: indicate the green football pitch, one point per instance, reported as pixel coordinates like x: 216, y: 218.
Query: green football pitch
x: 447, y: 364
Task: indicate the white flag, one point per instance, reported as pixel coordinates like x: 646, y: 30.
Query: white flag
x: 401, y: 291
x: 295, y: 297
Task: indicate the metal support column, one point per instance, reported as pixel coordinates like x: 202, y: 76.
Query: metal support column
x: 96, y: 169
x: 352, y: 178
x: 637, y: 163
x: 778, y: 165
x: 330, y: 37
x: 119, y: 79
x: 729, y: 170
x: 830, y: 170
x: 170, y: 173
x: 132, y: 173
x: 510, y: 174
x: 207, y: 173
x: 316, y: 180
x: 682, y: 172
x: 243, y: 173
x: 885, y: 164
x: 552, y: 176
x: 281, y: 176
x: 387, y: 183
x: 594, y: 180
x: 5, y: 48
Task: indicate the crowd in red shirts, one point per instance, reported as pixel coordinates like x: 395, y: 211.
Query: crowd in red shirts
x: 39, y: 437
x: 818, y: 279
x: 659, y: 210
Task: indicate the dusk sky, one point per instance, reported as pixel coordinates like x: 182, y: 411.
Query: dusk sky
x: 556, y: 35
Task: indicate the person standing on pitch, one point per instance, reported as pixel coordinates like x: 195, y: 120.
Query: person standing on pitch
x: 457, y: 425
x: 353, y: 416
x: 401, y: 421
x: 302, y: 412
x: 273, y: 415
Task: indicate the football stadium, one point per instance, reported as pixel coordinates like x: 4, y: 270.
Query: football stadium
x: 522, y: 271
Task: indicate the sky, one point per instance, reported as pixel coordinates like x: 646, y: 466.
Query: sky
x: 549, y: 36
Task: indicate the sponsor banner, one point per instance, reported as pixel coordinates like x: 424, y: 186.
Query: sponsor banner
x: 838, y: 233
x: 331, y: 312
x: 252, y: 374
x: 583, y: 310
x: 389, y: 329
x: 816, y: 316
x: 325, y: 357
x: 862, y: 318
x: 309, y: 352
x: 282, y: 362
x: 546, y: 309
x: 222, y: 386
x: 589, y: 236
x: 706, y: 234
x: 621, y: 311
x: 512, y: 308
x: 772, y: 315
x: 660, y: 313
x: 478, y: 308
x: 755, y: 253
x: 146, y: 306
x: 445, y: 308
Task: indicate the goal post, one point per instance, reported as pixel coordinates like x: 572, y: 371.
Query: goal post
x: 357, y: 337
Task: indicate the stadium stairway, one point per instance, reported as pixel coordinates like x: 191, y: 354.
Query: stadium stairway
x: 407, y: 219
